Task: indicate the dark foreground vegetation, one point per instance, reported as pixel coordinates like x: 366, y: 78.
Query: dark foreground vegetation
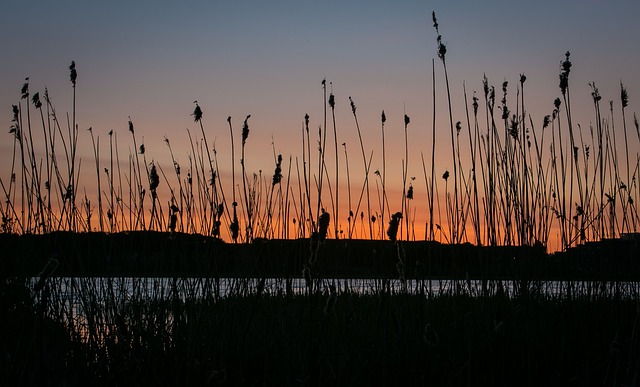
x: 326, y: 337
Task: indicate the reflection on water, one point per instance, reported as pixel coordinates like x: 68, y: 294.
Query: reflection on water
x: 97, y: 310
x: 157, y: 289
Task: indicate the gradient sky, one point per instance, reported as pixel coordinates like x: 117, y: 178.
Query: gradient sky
x: 152, y: 60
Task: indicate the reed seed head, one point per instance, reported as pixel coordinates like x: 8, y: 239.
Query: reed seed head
x: 323, y: 223
x: 36, y: 100
x: 197, y: 113
x: 564, y: 73
x: 624, y: 97
x: 383, y: 117
x: 595, y: 93
x: 25, y: 89
x: 154, y: 179
x: 73, y: 74
x: 16, y: 113
x: 475, y: 104
x: 392, y: 230
x: 353, y: 105
x: 277, y: 174
x: 245, y: 130
x: 513, y: 127
x: 442, y: 48
x: 545, y: 121
x: 407, y: 120
x: 485, y: 85
x: 505, y: 112
x: 492, y: 97
x: 332, y: 101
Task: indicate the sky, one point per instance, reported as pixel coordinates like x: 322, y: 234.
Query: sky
x: 151, y: 60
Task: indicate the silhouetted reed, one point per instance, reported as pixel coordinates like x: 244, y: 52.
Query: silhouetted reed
x: 521, y: 184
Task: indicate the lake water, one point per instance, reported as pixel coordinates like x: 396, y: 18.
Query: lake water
x: 128, y: 288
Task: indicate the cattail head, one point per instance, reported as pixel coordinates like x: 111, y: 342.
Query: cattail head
x: 73, y: 74
x: 407, y: 120
x: 523, y: 78
x: 383, y: 117
x: 245, y: 130
x: 624, y: 97
x: 197, y: 113
x: 458, y: 127
x: 410, y: 192
x: 556, y: 103
x: 130, y: 125
x: 142, y: 149
x: 332, y: 101
x: 445, y: 175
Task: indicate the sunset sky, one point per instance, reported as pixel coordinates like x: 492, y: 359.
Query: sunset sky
x: 152, y: 60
